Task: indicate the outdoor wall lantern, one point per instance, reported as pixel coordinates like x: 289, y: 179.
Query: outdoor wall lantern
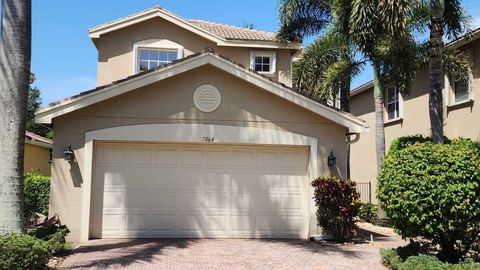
x: 331, y: 159
x: 69, y: 153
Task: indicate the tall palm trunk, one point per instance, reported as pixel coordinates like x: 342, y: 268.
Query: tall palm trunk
x: 345, y: 95
x: 15, y: 53
x: 379, y: 126
x: 435, y: 66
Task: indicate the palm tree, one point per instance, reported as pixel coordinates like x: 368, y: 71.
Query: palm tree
x: 15, y: 53
x: 326, y: 68
x: 446, y: 16
x: 378, y: 29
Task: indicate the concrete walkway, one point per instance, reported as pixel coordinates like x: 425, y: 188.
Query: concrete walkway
x: 228, y: 254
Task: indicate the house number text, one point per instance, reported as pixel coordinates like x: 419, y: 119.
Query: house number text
x: 208, y: 139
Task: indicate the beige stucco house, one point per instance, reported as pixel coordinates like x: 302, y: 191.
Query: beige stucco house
x: 409, y: 115
x: 193, y: 131
x: 37, y: 153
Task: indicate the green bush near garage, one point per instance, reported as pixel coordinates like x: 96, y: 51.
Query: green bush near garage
x: 37, y: 192
x: 433, y: 191
x: 392, y: 259
x: 34, y: 249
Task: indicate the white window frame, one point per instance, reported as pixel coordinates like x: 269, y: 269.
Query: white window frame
x: 273, y: 61
x: 399, y: 108
x: 154, y: 44
x: 450, y: 86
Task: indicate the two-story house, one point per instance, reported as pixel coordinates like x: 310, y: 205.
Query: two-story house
x: 409, y: 114
x: 193, y: 131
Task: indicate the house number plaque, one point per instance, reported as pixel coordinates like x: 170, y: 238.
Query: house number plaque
x: 208, y: 139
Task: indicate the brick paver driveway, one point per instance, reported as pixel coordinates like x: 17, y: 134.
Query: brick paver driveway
x: 225, y: 254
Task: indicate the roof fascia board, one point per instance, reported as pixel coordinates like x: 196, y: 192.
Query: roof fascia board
x: 37, y: 143
x: 46, y: 114
x: 354, y: 124
x: 96, y: 32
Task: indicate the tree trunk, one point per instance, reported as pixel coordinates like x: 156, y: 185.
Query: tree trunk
x: 15, y: 53
x: 345, y: 96
x: 435, y: 72
x: 379, y: 126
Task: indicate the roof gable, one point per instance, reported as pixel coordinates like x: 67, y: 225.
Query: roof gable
x: 46, y: 114
x: 221, y: 34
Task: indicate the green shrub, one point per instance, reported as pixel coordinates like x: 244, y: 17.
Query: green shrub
x: 37, y: 192
x: 393, y: 260
x: 22, y: 251
x: 433, y: 191
x: 337, y: 204
x: 368, y: 212
x: 53, y: 234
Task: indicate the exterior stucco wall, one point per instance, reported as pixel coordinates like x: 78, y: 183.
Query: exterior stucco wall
x: 36, y: 157
x: 170, y: 102
x: 115, y: 50
x: 459, y: 121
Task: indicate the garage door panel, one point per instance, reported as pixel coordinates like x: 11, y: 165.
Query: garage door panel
x: 113, y: 176
x: 218, y: 158
x: 140, y: 156
x: 216, y: 200
x: 293, y: 160
x: 190, y: 200
x: 291, y: 201
x: 166, y: 190
x: 164, y: 178
x: 139, y: 199
x: 242, y: 223
x: 137, y: 223
x: 113, y: 199
x: 243, y: 159
x: 165, y: 157
x: 192, y: 157
x: 163, y: 200
x: 241, y: 201
x: 164, y: 223
x: 216, y: 180
x: 268, y: 159
x: 190, y: 179
x: 111, y: 156
x: 112, y: 223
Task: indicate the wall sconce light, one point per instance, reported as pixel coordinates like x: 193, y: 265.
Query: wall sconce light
x: 331, y: 159
x: 69, y: 154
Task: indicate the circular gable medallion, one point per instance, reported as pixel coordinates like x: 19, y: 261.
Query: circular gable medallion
x: 207, y: 98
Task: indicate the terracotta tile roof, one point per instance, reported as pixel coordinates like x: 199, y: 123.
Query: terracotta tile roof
x: 34, y: 137
x: 233, y: 32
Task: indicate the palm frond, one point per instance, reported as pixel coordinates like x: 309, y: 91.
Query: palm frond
x: 401, y: 63
x: 456, y: 64
x: 364, y: 25
x: 393, y: 15
x: 300, y: 18
x: 455, y: 19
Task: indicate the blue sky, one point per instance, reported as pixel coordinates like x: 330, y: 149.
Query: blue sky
x: 65, y: 60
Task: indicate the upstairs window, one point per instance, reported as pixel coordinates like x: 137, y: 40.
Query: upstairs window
x: 460, y: 92
x: 263, y: 62
x: 152, y: 58
x: 393, y: 103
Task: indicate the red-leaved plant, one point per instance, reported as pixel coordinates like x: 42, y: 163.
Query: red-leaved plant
x: 337, y: 204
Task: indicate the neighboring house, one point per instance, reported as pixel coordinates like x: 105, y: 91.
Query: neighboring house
x: 37, y: 153
x: 193, y: 131
x: 409, y: 115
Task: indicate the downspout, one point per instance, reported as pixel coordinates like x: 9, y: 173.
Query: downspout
x: 349, y: 142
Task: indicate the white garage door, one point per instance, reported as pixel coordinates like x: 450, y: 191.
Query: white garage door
x: 185, y: 190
